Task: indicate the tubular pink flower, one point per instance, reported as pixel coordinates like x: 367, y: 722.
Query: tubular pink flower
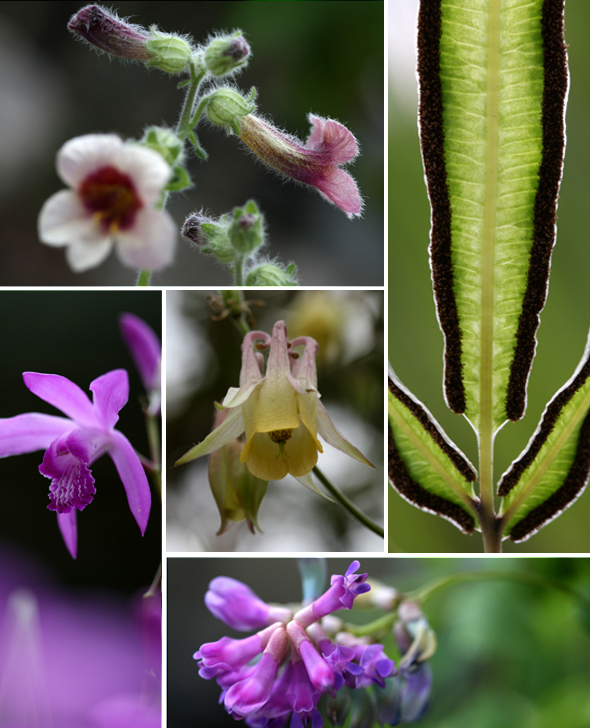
x: 317, y: 163
x: 74, y: 442
x: 113, y: 188
x: 239, y: 607
x: 104, y: 30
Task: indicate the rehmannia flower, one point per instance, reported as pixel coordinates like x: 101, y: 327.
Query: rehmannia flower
x: 317, y: 163
x: 113, y: 188
x: 280, y: 411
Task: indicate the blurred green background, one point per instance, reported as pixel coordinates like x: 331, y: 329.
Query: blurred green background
x: 75, y: 334
x: 415, y: 341
x: 325, y: 57
x: 203, y: 360
x: 509, y: 654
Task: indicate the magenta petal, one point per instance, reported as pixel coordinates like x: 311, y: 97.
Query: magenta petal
x: 111, y: 392
x: 68, y: 525
x: 331, y: 141
x: 63, y: 394
x: 145, y: 349
x: 133, y: 478
x: 72, y: 484
x: 31, y: 432
x: 340, y: 188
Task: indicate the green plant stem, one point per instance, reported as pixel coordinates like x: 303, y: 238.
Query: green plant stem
x: 144, y: 277
x: 153, y: 433
x: 184, y: 123
x: 239, y: 269
x: 350, y: 507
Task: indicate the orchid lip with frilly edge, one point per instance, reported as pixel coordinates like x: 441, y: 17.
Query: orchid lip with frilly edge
x: 280, y: 412
x: 74, y: 442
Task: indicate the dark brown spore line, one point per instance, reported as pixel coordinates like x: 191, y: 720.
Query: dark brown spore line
x: 575, y: 482
x: 550, y: 417
x: 555, y: 76
x: 418, y: 496
x: 462, y: 465
x: 430, y: 118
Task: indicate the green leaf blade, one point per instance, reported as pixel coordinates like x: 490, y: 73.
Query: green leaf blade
x: 553, y: 470
x: 424, y: 466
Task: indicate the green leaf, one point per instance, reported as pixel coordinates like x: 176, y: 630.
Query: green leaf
x: 180, y: 180
x: 493, y: 83
x: 424, y: 466
x: 553, y: 469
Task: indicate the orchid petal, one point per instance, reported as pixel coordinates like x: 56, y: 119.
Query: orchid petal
x: 31, y: 432
x: 63, y: 394
x: 133, y: 478
x: 331, y: 435
x: 145, y: 349
x: 230, y: 428
x: 68, y: 526
x: 111, y: 392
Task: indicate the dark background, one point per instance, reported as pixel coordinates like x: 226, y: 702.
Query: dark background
x: 75, y: 334
x: 324, y: 57
x: 415, y: 341
x: 509, y: 654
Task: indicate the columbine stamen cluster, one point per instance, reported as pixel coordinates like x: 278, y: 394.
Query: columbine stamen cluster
x: 297, y: 661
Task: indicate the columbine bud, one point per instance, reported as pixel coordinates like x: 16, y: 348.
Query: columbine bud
x: 225, y: 107
x: 210, y: 234
x: 228, y: 54
x: 246, y: 230
x: 237, y: 492
x: 169, y: 52
x: 268, y: 274
x: 104, y: 30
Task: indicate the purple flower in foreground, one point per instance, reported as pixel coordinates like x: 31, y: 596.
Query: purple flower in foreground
x: 146, y: 351
x: 236, y: 604
x: 74, y: 442
x: 298, y: 663
x: 317, y: 163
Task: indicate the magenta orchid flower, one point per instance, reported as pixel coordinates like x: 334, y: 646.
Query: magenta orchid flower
x: 146, y: 351
x: 74, y: 442
x: 280, y: 412
x: 317, y: 163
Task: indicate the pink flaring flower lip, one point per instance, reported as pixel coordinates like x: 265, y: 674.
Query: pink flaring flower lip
x: 317, y: 163
x: 74, y: 442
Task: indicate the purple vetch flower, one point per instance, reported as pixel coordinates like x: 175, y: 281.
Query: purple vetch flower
x: 74, y: 442
x: 146, y: 351
x: 317, y: 163
x: 239, y: 607
x: 281, y: 673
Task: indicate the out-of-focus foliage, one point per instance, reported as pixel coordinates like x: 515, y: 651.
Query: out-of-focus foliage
x: 203, y: 361
x: 415, y: 341
x: 509, y: 654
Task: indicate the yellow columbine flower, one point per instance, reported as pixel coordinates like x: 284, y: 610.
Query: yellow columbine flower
x: 280, y: 413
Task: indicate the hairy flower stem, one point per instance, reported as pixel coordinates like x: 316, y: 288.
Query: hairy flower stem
x: 185, y: 121
x: 347, y: 505
x: 153, y: 433
x: 239, y: 270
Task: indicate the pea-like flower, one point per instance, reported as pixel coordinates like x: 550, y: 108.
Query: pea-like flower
x: 113, y: 188
x: 317, y: 163
x: 74, y: 442
x: 297, y: 664
x: 280, y: 412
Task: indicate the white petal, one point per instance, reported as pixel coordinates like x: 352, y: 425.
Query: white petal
x: 85, y: 254
x: 148, y: 170
x: 80, y: 156
x: 63, y: 219
x: 150, y: 244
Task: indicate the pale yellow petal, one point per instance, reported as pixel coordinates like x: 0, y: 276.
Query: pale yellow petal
x: 277, y: 406
x: 301, y: 452
x: 308, y: 410
x: 263, y: 458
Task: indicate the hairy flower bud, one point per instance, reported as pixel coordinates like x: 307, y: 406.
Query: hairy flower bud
x: 211, y: 235
x: 104, y: 30
x: 227, y: 54
x: 268, y: 274
x: 246, y: 230
x: 170, y: 53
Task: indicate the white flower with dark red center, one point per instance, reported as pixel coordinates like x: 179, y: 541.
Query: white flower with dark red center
x: 113, y: 188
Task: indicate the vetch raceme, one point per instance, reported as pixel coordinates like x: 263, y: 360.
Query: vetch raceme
x: 284, y: 670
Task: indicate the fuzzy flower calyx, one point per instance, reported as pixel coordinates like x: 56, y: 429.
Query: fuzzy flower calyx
x: 113, y: 188
x: 227, y: 54
x: 279, y: 411
x: 317, y: 163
